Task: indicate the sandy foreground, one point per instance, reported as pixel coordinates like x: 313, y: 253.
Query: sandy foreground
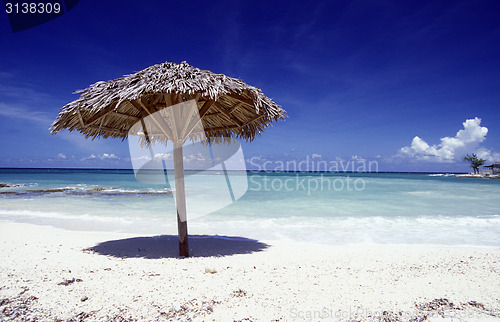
x: 51, y: 274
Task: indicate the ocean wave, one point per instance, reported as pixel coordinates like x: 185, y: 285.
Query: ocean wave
x: 421, y: 193
x: 84, y: 190
x: 343, y: 230
x: 334, y: 230
x: 61, y: 216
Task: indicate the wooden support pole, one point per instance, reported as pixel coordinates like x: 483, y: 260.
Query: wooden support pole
x: 180, y: 200
x: 146, y: 135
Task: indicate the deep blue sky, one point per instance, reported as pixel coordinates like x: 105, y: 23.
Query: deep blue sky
x: 357, y: 78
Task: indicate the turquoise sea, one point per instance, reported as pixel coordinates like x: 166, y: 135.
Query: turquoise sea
x: 327, y: 208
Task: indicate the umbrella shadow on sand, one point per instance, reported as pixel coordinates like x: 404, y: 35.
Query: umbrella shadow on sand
x: 166, y: 246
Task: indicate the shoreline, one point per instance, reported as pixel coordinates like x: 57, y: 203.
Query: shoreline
x: 52, y: 273
x: 173, y: 234
x: 480, y: 175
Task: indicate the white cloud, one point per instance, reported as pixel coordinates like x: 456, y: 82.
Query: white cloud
x: 316, y: 156
x: 163, y: 156
x: 483, y: 153
x: 90, y: 157
x: 454, y: 148
x: 103, y: 156
x: 108, y: 156
x: 20, y: 112
x: 198, y: 160
x: 358, y: 158
x: 142, y: 158
x: 61, y: 155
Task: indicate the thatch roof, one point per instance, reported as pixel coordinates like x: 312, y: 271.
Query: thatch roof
x: 228, y: 107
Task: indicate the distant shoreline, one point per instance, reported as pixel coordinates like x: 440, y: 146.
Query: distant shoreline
x: 480, y: 175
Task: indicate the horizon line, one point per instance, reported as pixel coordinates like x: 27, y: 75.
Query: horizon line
x: 247, y: 170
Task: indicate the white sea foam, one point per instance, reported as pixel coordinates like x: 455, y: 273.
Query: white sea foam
x: 380, y: 230
x: 81, y: 189
x: 84, y: 222
x: 336, y: 231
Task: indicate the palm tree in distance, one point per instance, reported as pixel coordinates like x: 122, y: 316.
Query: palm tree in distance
x: 474, y: 161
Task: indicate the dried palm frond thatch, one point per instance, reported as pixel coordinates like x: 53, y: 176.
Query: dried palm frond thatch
x: 228, y: 107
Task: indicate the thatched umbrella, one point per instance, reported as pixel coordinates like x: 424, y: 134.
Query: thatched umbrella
x: 228, y: 109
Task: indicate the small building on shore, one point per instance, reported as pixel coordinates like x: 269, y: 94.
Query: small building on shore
x: 493, y: 169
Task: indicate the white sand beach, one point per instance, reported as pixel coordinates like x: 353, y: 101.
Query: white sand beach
x: 52, y: 274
